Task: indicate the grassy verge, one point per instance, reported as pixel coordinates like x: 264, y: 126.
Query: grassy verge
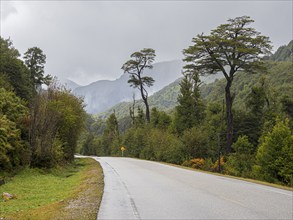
x: 73, y: 192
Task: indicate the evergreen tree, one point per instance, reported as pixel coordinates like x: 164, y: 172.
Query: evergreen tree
x: 14, y: 75
x: 160, y: 119
x: 35, y: 60
x: 189, y: 112
x: 275, y: 154
x: 111, y: 132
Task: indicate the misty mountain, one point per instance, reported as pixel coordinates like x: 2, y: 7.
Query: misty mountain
x: 68, y: 83
x: 164, y: 99
x: 103, y: 94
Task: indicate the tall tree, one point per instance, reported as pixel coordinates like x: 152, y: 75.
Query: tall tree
x: 35, y: 60
x: 135, y: 67
x: 228, y: 49
x: 111, y: 133
x: 189, y: 112
x: 14, y: 75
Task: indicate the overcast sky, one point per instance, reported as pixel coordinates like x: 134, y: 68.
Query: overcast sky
x: 87, y: 41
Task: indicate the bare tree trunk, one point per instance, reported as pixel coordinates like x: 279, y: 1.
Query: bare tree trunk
x: 229, y: 115
x: 147, y: 110
x: 145, y: 100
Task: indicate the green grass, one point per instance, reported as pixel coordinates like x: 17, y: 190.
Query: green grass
x: 38, y: 190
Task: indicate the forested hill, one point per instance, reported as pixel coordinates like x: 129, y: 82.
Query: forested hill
x: 284, y: 53
x: 278, y: 81
x: 165, y: 99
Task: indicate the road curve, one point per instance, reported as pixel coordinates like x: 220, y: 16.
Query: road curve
x: 137, y: 189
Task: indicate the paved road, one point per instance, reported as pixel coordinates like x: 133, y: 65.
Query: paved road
x: 137, y: 189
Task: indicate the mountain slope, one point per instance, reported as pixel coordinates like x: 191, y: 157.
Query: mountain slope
x: 102, y: 95
x: 279, y: 79
x: 68, y: 84
x: 284, y: 53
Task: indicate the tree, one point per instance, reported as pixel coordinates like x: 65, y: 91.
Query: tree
x: 111, y: 133
x: 135, y: 68
x: 57, y: 119
x: 35, y: 60
x: 160, y: 119
x: 189, y: 112
x: 275, y: 154
x: 13, y: 117
x: 14, y: 75
x: 240, y: 162
x: 195, y: 142
x: 228, y: 49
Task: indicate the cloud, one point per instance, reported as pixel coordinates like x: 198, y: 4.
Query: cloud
x: 90, y: 40
x: 7, y: 9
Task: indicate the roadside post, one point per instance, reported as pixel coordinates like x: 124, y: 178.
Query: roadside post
x: 122, y: 150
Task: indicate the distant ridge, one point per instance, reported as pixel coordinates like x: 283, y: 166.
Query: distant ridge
x: 104, y: 94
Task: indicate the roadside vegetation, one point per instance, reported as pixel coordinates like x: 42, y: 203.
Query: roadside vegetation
x: 39, y: 132
x: 240, y: 125
x: 70, y: 192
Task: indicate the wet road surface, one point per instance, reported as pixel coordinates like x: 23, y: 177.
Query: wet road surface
x: 138, y: 189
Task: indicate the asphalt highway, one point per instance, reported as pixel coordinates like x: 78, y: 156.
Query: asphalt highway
x: 138, y: 189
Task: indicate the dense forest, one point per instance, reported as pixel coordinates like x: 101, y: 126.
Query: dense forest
x: 194, y: 132
x: 38, y: 127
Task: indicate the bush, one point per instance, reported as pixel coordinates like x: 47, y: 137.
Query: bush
x: 240, y: 162
x: 197, y: 163
x: 215, y: 166
x: 275, y: 155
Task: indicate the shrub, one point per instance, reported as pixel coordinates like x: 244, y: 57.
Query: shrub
x: 275, y: 154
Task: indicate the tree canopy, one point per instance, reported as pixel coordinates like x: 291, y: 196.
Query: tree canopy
x: 229, y: 48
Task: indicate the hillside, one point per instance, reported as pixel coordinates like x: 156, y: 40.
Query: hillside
x: 103, y: 94
x: 284, y: 53
x: 279, y: 77
x: 165, y: 99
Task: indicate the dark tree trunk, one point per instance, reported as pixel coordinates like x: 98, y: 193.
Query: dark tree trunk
x: 145, y: 100
x: 147, y: 110
x: 229, y: 115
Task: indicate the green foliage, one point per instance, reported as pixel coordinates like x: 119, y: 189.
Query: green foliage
x: 277, y: 81
x: 160, y: 119
x: 275, y: 154
x: 196, y: 143
x: 229, y: 48
x: 139, y: 120
x: 35, y: 60
x: 10, y: 144
x: 14, y: 75
x: 284, y: 53
x: 57, y: 119
x: 287, y: 105
x: 240, y: 162
x: 165, y: 146
x: 89, y: 146
x: 13, y: 115
x: 189, y: 111
x: 134, y: 141
x: 233, y: 44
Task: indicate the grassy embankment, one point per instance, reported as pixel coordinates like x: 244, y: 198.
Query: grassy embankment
x: 73, y: 192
